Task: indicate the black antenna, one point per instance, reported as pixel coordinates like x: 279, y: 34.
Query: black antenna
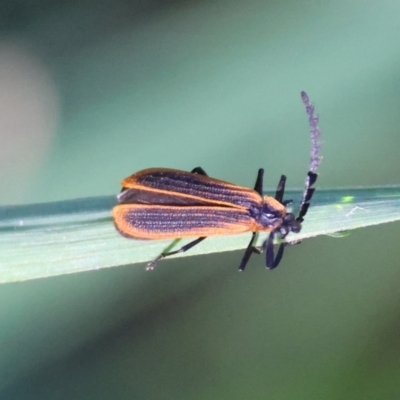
x: 315, y: 158
x: 289, y: 223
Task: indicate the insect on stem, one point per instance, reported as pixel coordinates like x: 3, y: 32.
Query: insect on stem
x: 162, y: 203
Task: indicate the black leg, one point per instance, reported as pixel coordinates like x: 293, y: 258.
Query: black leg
x: 198, y: 170
x: 249, y: 251
x: 272, y: 260
x: 151, y: 265
x: 258, y: 187
x: 280, y: 190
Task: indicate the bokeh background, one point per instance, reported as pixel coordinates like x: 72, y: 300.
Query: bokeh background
x: 92, y: 91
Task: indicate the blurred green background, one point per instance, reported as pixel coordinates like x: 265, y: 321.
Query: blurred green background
x: 92, y: 91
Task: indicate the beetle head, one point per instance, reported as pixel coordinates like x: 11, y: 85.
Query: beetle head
x: 289, y: 224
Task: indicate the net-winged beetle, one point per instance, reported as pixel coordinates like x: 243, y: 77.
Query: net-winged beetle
x: 161, y: 203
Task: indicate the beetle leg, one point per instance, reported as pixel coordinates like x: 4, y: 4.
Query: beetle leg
x: 151, y: 265
x: 280, y: 190
x: 199, y: 170
x: 273, y: 261
x: 258, y: 187
x: 249, y: 251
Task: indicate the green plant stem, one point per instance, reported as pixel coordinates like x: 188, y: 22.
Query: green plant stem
x: 48, y: 239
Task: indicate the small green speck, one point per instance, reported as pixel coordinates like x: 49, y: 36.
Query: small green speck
x: 347, y: 199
